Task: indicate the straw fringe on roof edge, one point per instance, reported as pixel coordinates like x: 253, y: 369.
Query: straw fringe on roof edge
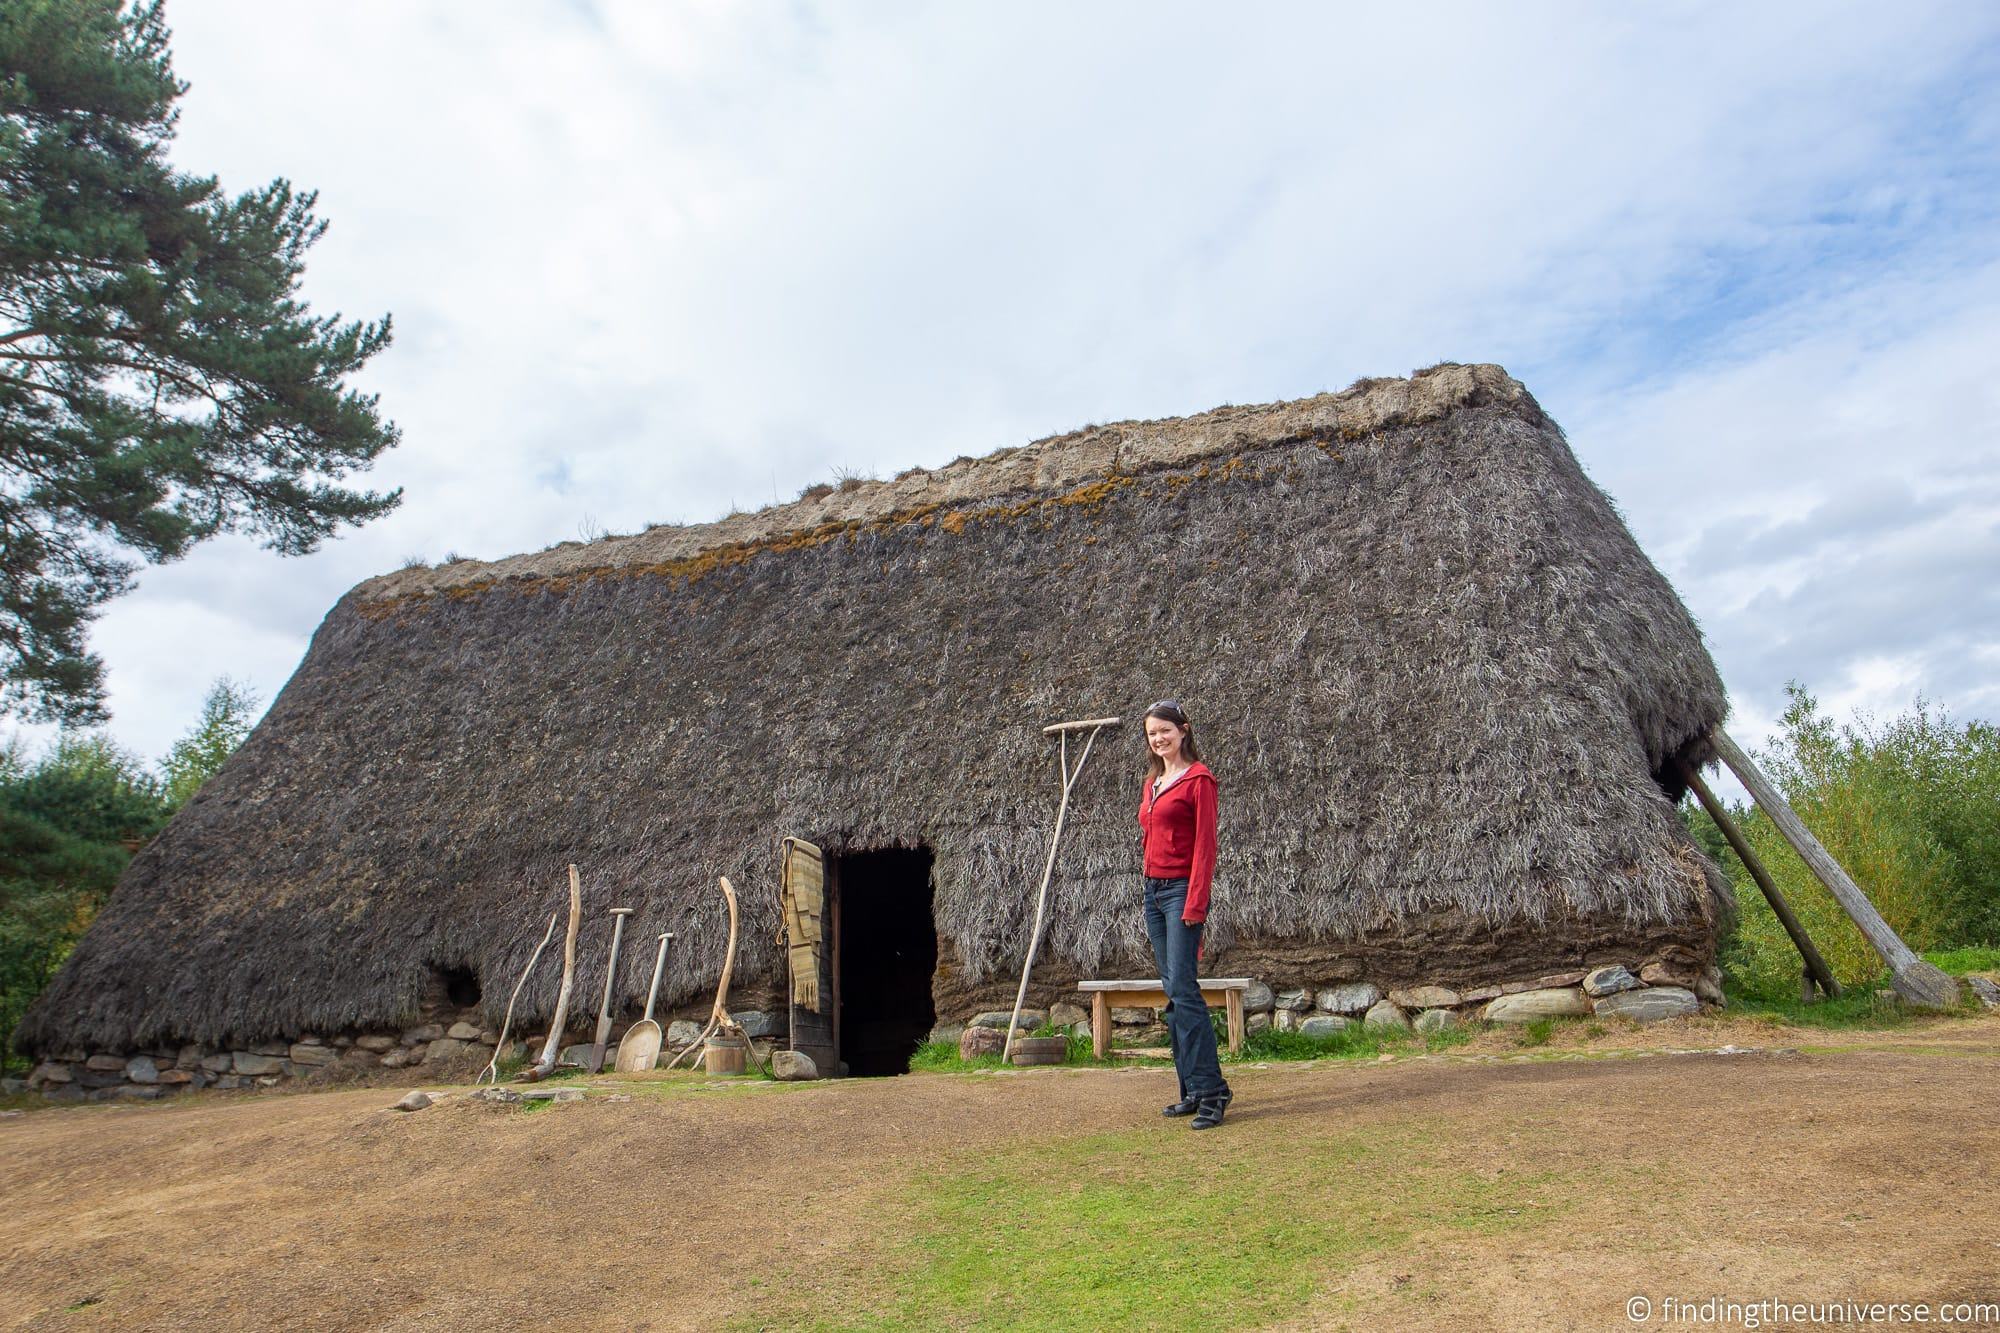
x: 1121, y: 448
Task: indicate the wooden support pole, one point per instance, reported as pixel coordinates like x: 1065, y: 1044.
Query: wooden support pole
x: 1816, y: 968
x: 1061, y: 731
x: 1918, y: 982
x: 500, y: 1046
x: 552, y: 1048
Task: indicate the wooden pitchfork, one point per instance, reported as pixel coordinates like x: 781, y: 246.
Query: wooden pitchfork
x: 1060, y: 731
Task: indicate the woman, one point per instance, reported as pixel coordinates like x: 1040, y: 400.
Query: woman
x: 1177, y: 816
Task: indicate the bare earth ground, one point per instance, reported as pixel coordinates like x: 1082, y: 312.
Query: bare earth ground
x: 1820, y: 1166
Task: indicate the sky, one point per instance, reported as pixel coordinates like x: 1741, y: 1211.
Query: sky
x: 650, y: 262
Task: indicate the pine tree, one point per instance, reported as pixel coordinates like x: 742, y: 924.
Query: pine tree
x: 160, y: 380
x: 226, y: 714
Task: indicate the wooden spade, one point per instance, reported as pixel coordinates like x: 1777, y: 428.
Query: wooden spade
x: 639, y: 1048
x: 596, y: 1061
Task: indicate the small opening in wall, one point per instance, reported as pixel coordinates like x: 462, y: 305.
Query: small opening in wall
x: 461, y: 985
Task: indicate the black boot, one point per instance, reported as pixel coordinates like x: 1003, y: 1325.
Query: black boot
x: 1185, y: 1106
x: 1209, y: 1114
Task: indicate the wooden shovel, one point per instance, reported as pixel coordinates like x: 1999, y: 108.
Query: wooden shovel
x: 639, y: 1048
x: 596, y: 1063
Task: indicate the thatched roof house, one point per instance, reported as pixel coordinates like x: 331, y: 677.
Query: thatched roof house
x: 1437, y: 678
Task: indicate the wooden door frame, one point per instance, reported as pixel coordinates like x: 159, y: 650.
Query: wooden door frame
x: 830, y: 886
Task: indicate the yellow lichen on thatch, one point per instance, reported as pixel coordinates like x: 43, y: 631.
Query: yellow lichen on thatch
x: 695, y: 567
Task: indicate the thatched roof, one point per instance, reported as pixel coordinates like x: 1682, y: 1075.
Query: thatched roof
x: 1436, y: 676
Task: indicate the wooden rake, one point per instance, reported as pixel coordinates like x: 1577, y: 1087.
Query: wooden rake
x: 1061, y: 731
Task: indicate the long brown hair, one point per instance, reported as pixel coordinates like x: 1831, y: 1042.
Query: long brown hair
x: 1169, y: 710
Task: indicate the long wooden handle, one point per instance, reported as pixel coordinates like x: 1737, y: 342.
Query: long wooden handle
x: 1048, y: 871
x: 659, y: 964
x: 729, y: 958
x: 1091, y: 725
x: 618, y: 915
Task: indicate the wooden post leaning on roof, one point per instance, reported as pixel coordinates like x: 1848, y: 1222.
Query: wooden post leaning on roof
x: 1817, y: 971
x: 1918, y: 982
x: 718, y: 1017
x: 1061, y: 731
x: 493, y: 1065
x: 553, y: 1046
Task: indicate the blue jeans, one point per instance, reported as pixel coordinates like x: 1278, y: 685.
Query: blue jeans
x: 1188, y: 1030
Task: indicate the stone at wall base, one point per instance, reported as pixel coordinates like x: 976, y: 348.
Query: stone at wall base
x: 793, y: 1066
x: 1651, y: 1005
x: 1437, y: 1020
x: 978, y: 1041
x: 1547, y: 1002
x: 1324, y: 1025
x: 1424, y: 997
x: 1668, y: 973
x: 1356, y: 997
x: 445, y: 1048
x: 758, y: 1023
x: 1601, y: 981
x: 1985, y: 989
x: 1386, y: 1014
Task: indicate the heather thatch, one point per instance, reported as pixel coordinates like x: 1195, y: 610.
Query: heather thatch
x: 1438, y: 679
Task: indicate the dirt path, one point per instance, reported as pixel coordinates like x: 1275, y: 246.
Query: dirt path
x: 1858, y: 1165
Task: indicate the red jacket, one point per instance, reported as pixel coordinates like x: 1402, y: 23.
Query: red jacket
x: 1179, y: 830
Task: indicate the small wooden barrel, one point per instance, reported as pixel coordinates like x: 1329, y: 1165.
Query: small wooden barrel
x: 723, y: 1055
x: 1041, y: 1050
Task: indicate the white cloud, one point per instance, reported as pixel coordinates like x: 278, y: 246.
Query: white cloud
x: 648, y: 262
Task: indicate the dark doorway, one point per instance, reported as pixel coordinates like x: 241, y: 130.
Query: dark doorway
x: 887, y: 957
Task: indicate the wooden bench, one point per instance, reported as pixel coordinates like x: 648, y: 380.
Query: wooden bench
x: 1146, y: 993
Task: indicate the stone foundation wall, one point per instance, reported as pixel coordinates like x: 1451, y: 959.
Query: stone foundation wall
x: 454, y: 1045
x: 449, y: 1046
x: 1660, y: 987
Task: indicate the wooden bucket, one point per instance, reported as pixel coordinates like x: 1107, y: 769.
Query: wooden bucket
x: 723, y: 1055
x: 1041, y: 1050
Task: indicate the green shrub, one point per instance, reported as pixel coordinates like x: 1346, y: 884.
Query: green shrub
x: 1910, y: 808
x: 68, y: 822
x: 1536, y: 1031
x: 1353, y: 1041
